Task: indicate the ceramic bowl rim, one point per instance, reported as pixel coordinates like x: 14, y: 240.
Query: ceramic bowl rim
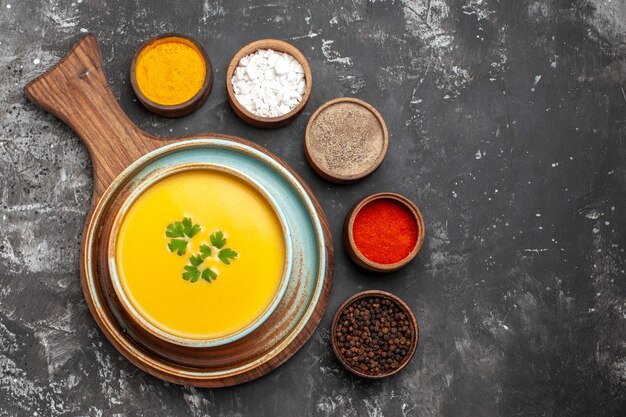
x: 135, y: 315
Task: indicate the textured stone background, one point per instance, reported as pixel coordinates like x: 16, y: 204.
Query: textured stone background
x: 508, y: 128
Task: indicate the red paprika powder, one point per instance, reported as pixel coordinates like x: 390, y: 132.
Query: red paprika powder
x: 385, y: 231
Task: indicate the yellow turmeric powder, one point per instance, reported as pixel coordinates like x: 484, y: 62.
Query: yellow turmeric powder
x: 170, y: 71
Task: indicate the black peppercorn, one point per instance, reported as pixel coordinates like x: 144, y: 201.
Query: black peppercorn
x: 374, y: 335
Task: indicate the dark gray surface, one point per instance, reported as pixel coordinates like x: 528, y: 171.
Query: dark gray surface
x: 508, y: 127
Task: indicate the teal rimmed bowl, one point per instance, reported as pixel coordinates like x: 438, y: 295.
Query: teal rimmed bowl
x: 142, y: 318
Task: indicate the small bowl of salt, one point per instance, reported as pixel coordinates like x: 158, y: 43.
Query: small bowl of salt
x: 268, y: 83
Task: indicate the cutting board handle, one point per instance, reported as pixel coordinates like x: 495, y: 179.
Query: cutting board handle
x: 77, y: 92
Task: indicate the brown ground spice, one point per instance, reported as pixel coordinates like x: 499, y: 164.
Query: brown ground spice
x: 345, y: 139
x: 373, y: 335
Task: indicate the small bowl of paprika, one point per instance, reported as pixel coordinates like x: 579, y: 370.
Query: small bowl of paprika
x: 383, y: 232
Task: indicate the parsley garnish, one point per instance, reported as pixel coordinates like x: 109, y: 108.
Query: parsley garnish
x: 196, y: 260
x: 218, y: 240
x: 177, y: 245
x: 191, y: 273
x: 180, y: 234
x: 189, y: 228
x: 226, y: 254
x: 205, y: 251
x: 208, y: 275
x: 175, y: 230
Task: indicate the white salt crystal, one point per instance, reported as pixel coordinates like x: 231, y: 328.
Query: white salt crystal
x: 271, y: 60
x: 245, y: 88
x: 296, y: 67
x: 282, y: 66
x: 292, y: 77
x: 269, y: 83
x: 252, y: 72
x: 301, y: 87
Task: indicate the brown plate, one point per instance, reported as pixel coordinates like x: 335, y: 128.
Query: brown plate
x: 399, y: 303
x: 76, y: 91
x: 174, y: 110
x: 241, y: 111
x: 357, y: 256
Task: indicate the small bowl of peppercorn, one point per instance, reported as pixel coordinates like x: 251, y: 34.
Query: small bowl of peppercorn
x: 374, y: 334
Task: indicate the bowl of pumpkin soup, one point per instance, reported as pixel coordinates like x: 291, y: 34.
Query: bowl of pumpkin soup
x: 199, y: 254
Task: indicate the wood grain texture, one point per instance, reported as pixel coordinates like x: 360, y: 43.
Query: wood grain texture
x: 173, y: 362
x: 76, y: 91
x: 251, y: 118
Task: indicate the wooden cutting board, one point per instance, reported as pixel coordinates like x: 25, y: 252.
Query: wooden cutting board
x: 76, y: 91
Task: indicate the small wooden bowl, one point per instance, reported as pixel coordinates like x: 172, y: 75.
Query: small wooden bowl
x: 175, y: 110
x: 240, y: 110
x: 397, y: 301
x: 334, y: 176
x: 358, y: 257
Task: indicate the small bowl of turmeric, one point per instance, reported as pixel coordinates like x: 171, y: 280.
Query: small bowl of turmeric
x: 171, y: 74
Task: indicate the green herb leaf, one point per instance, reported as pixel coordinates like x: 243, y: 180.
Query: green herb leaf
x: 191, y: 273
x: 175, y: 230
x: 189, y: 228
x: 205, y: 251
x: 196, y: 260
x: 226, y: 254
x: 218, y: 240
x: 177, y: 245
x: 208, y: 275
x: 180, y: 234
